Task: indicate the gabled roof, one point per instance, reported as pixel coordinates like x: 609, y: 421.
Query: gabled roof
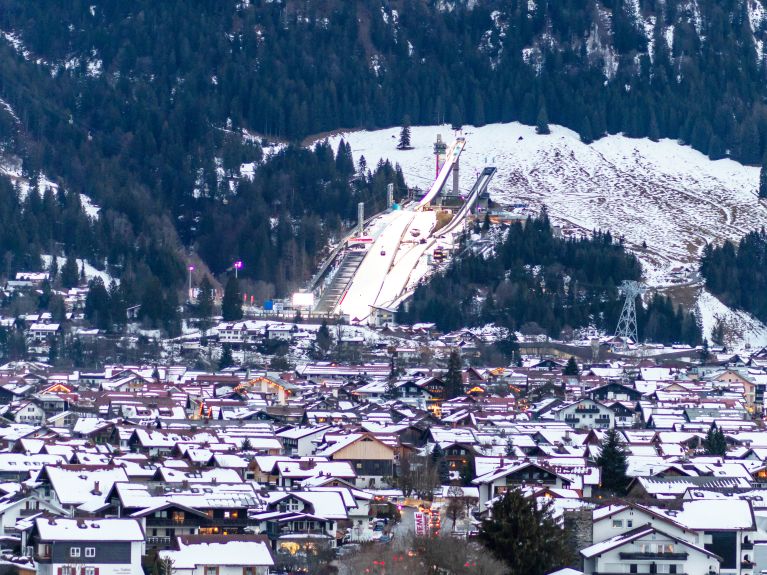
x: 629, y: 536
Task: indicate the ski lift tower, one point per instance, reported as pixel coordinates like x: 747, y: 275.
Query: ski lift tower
x: 627, y: 323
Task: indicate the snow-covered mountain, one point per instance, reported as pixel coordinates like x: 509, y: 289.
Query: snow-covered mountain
x: 662, y: 194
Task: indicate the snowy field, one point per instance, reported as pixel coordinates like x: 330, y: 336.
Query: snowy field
x: 664, y: 194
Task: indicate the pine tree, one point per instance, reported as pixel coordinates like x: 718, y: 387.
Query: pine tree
x: 705, y: 354
x: 524, y: 534
x: 231, y: 305
x: 571, y: 368
x: 70, y: 275
x: 454, y: 377
x: 205, y: 300
x: 542, y: 123
x: 324, y: 340
x: 613, y: 462
x: 404, y: 135
x: 53, y: 269
x: 763, y: 180
x: 439, y: 463
x: 509, y: 451
x: 715, y: 443
x: 246, y: 445
x: 227, y: 360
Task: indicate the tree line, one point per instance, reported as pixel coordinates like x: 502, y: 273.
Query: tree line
x: 536, y: 282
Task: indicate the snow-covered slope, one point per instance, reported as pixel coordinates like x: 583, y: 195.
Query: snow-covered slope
x: 665, y: 194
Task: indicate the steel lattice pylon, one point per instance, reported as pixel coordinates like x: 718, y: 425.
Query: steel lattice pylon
x: 627, y: 324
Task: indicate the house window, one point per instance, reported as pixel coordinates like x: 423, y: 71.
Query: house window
x: 90, y: 551
x: 161, y: 514
x: 211, y: 571
x: 230, y: 515
x: 178, y: 517
x: 90, y: 571
x: 617, y: 522
x: 633, y: 568
x: 248, y: 571
x: 629, y: 522
x: 672, y: 569
x: 74, y: 551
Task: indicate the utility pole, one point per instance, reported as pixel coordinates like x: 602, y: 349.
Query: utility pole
x: 627, y: 323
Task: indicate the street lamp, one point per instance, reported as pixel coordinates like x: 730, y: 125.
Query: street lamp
x: 190, y: 269
x: 237, y: 267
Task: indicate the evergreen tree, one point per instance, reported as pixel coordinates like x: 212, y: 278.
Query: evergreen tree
x: 509, y: 451
x: 227, y: 360
x: 542, y: 122
x: 763, y: 180
x: 715, y: 443
x: 98, y: 309
x: 231, y: 305
x: 571, y: 368
x: 53, y: 269
x: 404, y: 135
x: 524, y: 534
x: 205, y: 300
x: 324, y: 340
x: 439, y: 463
x: 70, y: 275
x: 613, y: 462
x: 454, y: 376
x: 246, y: 445
x: 705, y: 354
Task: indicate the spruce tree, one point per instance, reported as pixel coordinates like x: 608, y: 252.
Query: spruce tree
x: 542, y: 123
x: 763, y: 180
x: 404, y: 135
x: 454, y: 378
x: 571, y: 368
x: 231, y: 305
x: 524, y: 534
x: 227, y: 360
x: 439, y: 463
x: 205, y: 300
x: 613, y: 462
x: 324, y: 340
x: 715, y: 443
x: 70, y: 275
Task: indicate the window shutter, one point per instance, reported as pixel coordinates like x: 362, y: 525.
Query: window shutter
x: 96, y: 572
x: 59, y: 571
x: 82, y: 571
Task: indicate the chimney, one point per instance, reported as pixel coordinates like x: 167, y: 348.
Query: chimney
x: 96, y: 488
x: 305, y: 465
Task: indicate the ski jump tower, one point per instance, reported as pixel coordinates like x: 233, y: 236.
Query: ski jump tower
x: 440, y: 149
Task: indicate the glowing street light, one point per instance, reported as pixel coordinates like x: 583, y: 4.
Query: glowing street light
x: 190, y: 269
x: 237, y: 267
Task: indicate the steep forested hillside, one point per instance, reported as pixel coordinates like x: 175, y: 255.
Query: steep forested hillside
x: 538, y: 283
x: 738, y: 275
x: 143, y: 105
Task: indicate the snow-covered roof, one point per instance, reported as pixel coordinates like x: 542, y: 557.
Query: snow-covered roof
x: 89, y: 529
x: 236, y: 551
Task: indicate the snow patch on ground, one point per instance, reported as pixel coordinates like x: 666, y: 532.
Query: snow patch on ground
x: 743, y: 331
x: 90, y: 271
x: 756, y: 20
